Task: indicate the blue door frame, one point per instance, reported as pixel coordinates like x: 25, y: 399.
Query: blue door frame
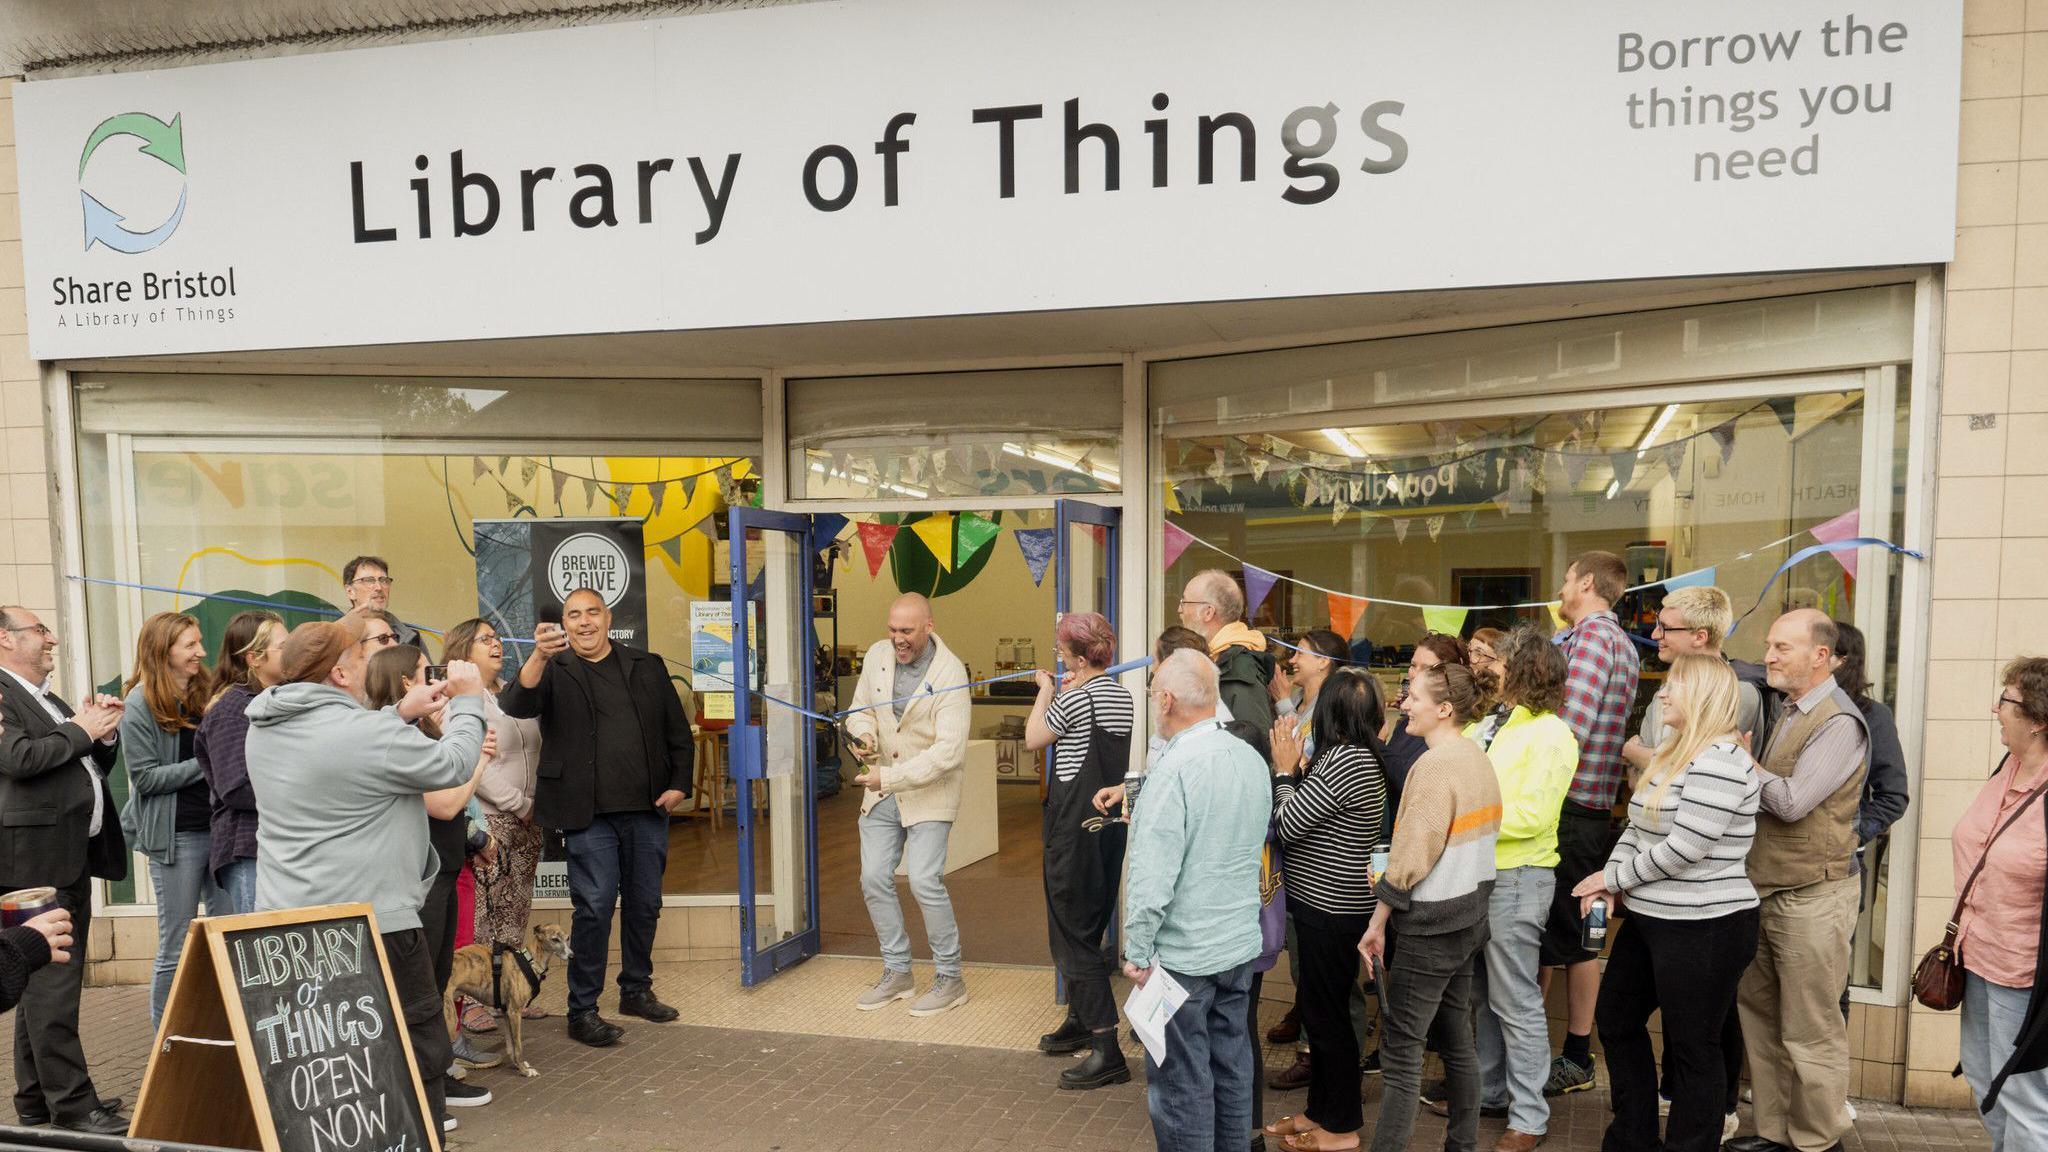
x: 1067, y: 514
x: 749, y: 735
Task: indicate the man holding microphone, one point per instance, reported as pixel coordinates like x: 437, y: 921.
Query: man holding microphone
x: 616, y: 756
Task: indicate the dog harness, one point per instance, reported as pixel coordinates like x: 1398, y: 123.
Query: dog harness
x: 524, y: 959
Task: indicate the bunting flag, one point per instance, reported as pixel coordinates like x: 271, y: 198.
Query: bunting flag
x: 1787, y: 410
x: 1575, y: 468
x: 975, y: 533
x: 504, y: 465
x: 1337, y: 512
x: 689, y: 492
x: 589, y: 492
x: 1038, y: 545
x: 708, y: 525
x: 1259, y: 462
x: 1697, y: 578
x: 1674, y: 458
x: 527, y: 469
x: 1344, y: 613
x: 825, y: 529
x: 1257, y: 583
x: 875, y: 540
x: 1447, y: 620
x: 1172, y: 496
x: 1724, y: 436
x: 512, y: 503
x: 1401, y: 530
x: 671, y: 548
x: 937, y: 534
x: 1557, y: 620
x: 1175, y: 541
x: 1624, y: 465
x: 1435, y: 524
x: 1840, y: 528
x: 656, y: 493
x: 478, y: 468
x: 623, y: 494
x: 1471, y: 514
x: 1101, y: 535
x: 561, y: 481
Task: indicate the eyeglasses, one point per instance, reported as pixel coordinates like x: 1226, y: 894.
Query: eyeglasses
x: 38, y: 629
x: 2003, y: 700
x: 1211, y: 603
x: 380, y: 638
x: 374, y: 581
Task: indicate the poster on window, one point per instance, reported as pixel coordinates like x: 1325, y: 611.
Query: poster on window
x: 711, y: 654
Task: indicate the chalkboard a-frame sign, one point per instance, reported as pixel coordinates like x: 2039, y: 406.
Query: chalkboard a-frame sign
x: 283, y: 1033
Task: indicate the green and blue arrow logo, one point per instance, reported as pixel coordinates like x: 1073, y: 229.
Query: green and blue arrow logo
x: 165, y: 142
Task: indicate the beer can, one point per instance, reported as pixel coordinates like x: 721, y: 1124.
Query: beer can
x: 1593, y: 937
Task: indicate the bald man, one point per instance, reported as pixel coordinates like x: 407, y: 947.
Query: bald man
x: 909, y: 731
x: 1801, y: 866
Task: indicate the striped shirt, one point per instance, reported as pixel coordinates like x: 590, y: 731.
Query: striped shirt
x: 1599, y: 690
x: 1686, y: 859
x: 1328, y: 822
x: 1074, y: 716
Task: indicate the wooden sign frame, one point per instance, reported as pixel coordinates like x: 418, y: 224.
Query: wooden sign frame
x: 205, y: 1042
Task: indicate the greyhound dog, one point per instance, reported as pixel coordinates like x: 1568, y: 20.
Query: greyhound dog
x: 475, y: 974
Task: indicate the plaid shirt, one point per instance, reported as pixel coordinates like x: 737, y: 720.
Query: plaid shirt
x: 1599, y: 691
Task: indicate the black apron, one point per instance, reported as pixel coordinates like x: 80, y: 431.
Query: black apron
x: 1084, y: 859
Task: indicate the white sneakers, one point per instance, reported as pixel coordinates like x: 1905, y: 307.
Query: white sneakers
x: 892, y: 987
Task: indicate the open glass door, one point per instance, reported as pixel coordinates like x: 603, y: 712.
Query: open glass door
x: 1085, y: 555
x: 1087, y: 558
x: 771, y: 752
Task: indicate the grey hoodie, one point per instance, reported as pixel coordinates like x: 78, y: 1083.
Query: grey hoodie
x: 341, y: 789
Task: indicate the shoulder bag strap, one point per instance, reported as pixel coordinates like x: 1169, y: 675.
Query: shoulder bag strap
x: 1955, y: 918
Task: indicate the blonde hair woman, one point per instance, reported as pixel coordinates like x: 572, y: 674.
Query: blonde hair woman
x: 1681, y: 864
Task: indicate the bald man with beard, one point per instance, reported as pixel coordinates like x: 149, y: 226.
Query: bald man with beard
x: 909, y: 731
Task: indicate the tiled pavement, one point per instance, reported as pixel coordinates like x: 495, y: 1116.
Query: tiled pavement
x: 682, y: 1087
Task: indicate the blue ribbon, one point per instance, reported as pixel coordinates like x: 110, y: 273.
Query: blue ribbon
x: 1813, y: 550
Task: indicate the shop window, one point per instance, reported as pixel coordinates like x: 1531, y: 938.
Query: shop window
x: 201, y: 493
x: 1388, y: 520
x: 1036, y: 432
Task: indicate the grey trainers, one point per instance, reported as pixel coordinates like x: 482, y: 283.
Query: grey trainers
x: 468, y: 1055
x: 894, y: 986
x: 946, y: 992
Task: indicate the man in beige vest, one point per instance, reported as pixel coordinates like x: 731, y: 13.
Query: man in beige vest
x: 909, y: 730
x: 1800, y: 863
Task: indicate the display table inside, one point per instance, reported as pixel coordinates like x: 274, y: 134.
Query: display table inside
x: 974, y: 830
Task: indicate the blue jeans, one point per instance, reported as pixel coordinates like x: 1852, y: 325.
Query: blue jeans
x: 1514, y: 1037
x: 179, y: 889
x: 1991, y: 1023
x: 618, y: 860
x: 238, y: 880
x: 1201, y: 1100
x: 921, y: 848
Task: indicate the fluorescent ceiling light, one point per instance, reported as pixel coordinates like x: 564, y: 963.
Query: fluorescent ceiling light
x: 1343, y: 440
x: 1613, y: 486
x: 1071, y: 463
x: 1656, y: 428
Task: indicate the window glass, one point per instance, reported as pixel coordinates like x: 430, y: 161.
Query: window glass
x: 202, y: 494
x: 1036, y: 432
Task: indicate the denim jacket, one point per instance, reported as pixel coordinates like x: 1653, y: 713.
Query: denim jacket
x: 150, y: 818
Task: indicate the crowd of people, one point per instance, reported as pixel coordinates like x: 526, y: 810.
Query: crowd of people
x: 1456, y: 854
x: 1450, y: 856
x: 336, y: 762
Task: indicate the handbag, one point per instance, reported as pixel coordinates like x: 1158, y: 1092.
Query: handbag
x: 1938, y: 980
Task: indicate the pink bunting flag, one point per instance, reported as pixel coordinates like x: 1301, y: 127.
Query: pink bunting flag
x: 1257, y: 583
x: 875, y: 540
x: 1843, y: 527
x: 1176, y: 542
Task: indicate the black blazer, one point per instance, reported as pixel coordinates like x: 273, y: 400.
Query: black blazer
x: 46, y: 798
x: 565, y: 787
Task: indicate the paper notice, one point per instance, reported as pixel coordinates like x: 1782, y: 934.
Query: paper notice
x: 1150, y: 1006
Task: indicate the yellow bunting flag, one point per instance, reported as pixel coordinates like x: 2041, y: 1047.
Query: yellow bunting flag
x: 937, y: 534
x: 1442, y: 618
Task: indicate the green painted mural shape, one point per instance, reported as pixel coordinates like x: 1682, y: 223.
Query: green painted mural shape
x: 915, y: 569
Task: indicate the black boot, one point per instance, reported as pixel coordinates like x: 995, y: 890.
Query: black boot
x: 1103, y: 1067
x: 1072, y: 1036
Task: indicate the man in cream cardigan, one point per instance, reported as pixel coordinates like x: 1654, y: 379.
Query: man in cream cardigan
x: 909, y: 731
